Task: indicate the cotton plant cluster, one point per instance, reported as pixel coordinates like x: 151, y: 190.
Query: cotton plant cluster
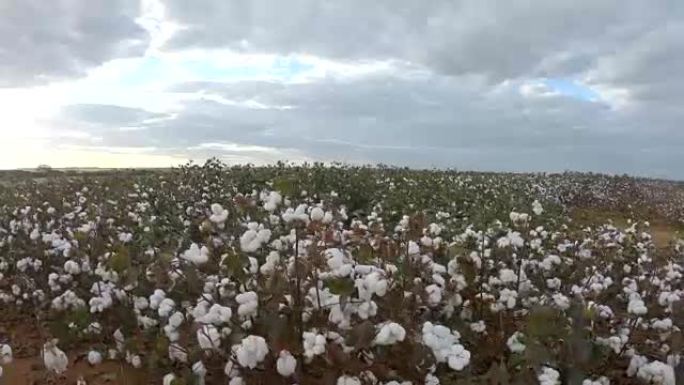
x: 354, y: 276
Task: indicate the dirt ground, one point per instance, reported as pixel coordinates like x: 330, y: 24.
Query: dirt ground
x: 663, y: 232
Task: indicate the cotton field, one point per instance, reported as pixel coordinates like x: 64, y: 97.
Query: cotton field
x: 338, y: 275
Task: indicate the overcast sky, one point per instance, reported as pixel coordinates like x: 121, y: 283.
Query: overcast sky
x: 480, y: 85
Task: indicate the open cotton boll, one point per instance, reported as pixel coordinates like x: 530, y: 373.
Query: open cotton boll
x: 252, y: 239
x: 317, y: 214
x: 549, y: 376
x: 389, y: 334
x: 537, y: 208
x: 658, y: 373
x: 94, y: 357
x: 168, y: 379
x: 272, y: 201
x: 54, y: 358
x: 248, y: 304
x: 196, y: 255
x: 72, y: 267
x: 6, y: 354
x: 314, y: 344
x: 515, y: 344
x: 348, y: 380
x: 298, y: 214
x: 218, y: 214
x: 636, y: 305
x: 603, y: 380
x: 199, y: 370
x: 251, y: 351
x: 444, y: 345
x: 286, y: 363
x: 208, y: 337
x: 166, y: 307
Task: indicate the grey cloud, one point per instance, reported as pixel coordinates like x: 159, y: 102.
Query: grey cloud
x: 431, y: 121
x: 499, y: 39
x: 42, y: 41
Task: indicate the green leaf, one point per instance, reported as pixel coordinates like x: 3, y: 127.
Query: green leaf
x: 341, y: 286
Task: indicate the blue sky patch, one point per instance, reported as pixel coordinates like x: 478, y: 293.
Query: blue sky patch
x: 572, y: 88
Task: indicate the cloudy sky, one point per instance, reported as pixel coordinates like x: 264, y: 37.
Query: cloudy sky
x: 481, y: 85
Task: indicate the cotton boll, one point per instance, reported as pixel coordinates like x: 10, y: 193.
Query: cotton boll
x: 72, y: 267
x: 251, y: 351
x: 549, y: 376
x: 94, y: 357
x: 136, y: 361
x: 248, y: 304
x: 5, y: 354
x: 389, y: 334
x: 515, y: 344
x: 199, y: 370
x: 208, y: 337
x: 317, y: 214
x: 458, y: 357
x: 168, y: 379
x: 54, y: 358
x: 636, y: 305
x: 348, y: 380
x: 657, y: 372
x: 286, y: 363
x: 537, y: 208
x: 166, y: 307
x: 314, y: 344
x: 196, y: 255
x: 218, y: 214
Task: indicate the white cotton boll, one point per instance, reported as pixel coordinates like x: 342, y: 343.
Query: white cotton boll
x: 72, y: 267
x: 199, y: 370
x: 177, y: 354
x: 94, y: 357
x: 603, y: 380
x: 508, y: 276
x: 515, y: 344
x: 662, y: 325
x: 537, y: 208
x: 136, y: 361
x: 657, y: 373
x: 251, y: 351
x: 208, y: 337
x: 636, y: 305
x: 636, y: 362
x: 272, y: 201
x: 478, y: 327
x: 553, y: 283
x: 176, y: 320
x: 458, y: 357
x: 314, y: 344
x: 236, y: 381
x: 413, y: 248
x: 218, y: 214
x: 549, y: 376
x: 6, y: 354
x: 54, y: 358
x: 434, y: 294
x: 317, y: 214
x: 561, y: 301
x: 168, y: 379
x: 166, y: 307
x: 389, y: 334
x: 248, y: 304
x: 348, y: 380
x: 252, y: 239
x: 286, y: 363
x: 328, y: 217
x: 196, y: 255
